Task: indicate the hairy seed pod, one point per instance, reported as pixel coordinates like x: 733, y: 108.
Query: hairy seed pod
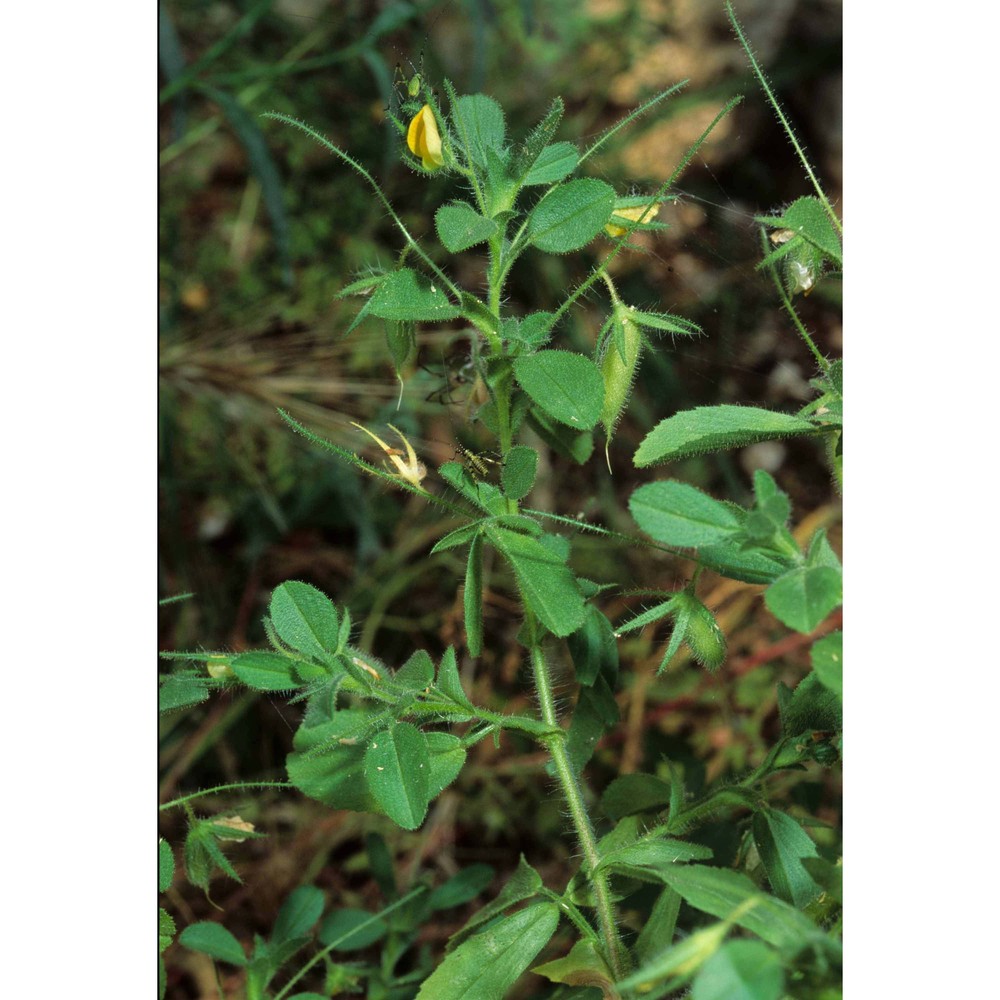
x: 703, y: 635
x: 618, y: 367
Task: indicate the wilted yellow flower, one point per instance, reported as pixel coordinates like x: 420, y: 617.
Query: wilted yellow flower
x: 412, y: 470
x: 424, y: 139
x: 236, y: 824
x: 643, y: 213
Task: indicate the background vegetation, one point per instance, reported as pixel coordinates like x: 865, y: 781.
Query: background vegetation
x: 259, y: 231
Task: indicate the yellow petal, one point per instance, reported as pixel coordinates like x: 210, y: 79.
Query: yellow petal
x: 424, y: 139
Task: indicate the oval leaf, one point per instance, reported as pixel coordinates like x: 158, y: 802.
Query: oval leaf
x: 459, y: 226
x: 264, y: 671
x: 480, y: 126
x: 571, y: 215
x: 680, y: 514
x: 298, y: 914
x: 715, y: 428
x: 803, y: 597
x: 548, y: 586
x: 213, y: 939
x: 567, y: 386
x: 553, y: 164
x: 397, y: 769
x: 488, y: 964
x: 447, y: 758
x: 305, y: 618
x: 518, y: 474
x: 407, y: 295
x: 828, y: 661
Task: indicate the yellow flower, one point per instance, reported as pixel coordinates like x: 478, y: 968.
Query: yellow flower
x: 424, y: 139
x: 639, y: 213
x: 412, y: 470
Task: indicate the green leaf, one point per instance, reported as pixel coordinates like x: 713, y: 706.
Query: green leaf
x: 595, y: 713
x: 351, y: 929
x: 803, y: 597
x: 447, y: 758
x: 681, y: 514
x: 449, y: 683
x: 532, y: 330
x: 553, y: 164
x: 480, y: 126
x: 828, y: 661
x: 567, y: 386
x: 401, y: 340
x: 583, y: 965
x: 593, y: 649
x: 668, y: 970
x: 651, y: 857
x: 460, y: 536
x: 166, y: 929
x: 473, y: 597
x: 461, y: 888
x: 715, y: 428
x: 518, y: 475
x: 740, y: 970
x: 577, y: 445
x: 305, y: 618
x: 545, y: 581
x: 749, y: 565
x: 523, y: 884
x: 571, y: 215
x: 460, y: 226
x: 297, y: 915
x: 811, y: 707
x: 537, y: 140
x: 807, y: 218
x: 265, y: 671
x: 397, y: 769
x: 335, y: 777
x: 166, y: 866
x: 407, y: 295
x: 782, y: 844
x: 658, y: 930
x: 664, y: 322
x: 214, y: 940
x: 488, y: 964
x: 630, y: 794
x: 182, y: 692
x: 719, y: 892
x: 417, y: 673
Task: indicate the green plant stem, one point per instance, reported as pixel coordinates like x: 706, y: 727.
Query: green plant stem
x: 578, y: 811
x: 237, y: 786
x: 759, y: 73
x: 824, y: 365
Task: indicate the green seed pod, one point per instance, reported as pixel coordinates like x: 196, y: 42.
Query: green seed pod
x: 618, y: 367
x: 702, y: 633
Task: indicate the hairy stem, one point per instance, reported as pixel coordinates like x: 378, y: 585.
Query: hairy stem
x: 581, y: 818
